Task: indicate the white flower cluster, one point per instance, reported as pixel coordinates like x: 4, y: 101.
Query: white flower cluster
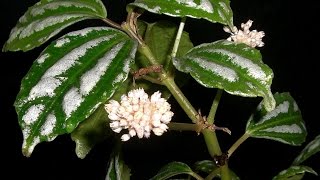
x: 251, y: 38
x: 139, y: 114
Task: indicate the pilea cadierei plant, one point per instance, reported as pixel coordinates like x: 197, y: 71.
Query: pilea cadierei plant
x: 113, y: 82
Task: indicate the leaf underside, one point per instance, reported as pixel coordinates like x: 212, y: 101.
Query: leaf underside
x: 117, y: 169
x: 311, y: 148
x: 294, y: 173
x: 172, y: 169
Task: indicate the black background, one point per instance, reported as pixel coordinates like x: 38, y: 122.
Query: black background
x: 291, y: 50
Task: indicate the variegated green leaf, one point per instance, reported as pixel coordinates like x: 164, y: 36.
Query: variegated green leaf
x: 47, y: 18
x: 236, y: 68
x: 173, y: 169
x: 294, y: 173
x: 69, y: 80
x: 117, y: 169
x: 211, y: 10
x: 312, y: 148
x: 96, y: 128
x: 284, y: 123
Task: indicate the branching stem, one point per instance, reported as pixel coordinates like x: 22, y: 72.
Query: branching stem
x: 209, y: 136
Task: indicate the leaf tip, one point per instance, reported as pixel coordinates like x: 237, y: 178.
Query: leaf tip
x: 4, y: 48
x: 26, y: 153
x: 269, y: 102
x: 27, y: 147
x: 81, y: 149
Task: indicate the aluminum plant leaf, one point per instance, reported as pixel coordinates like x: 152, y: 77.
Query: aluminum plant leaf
x: 69, y: 80
x: 312, y: 148
x: 173, y: 169
x: 211, y: 10
x: 294, y: 173
x: 95, y: 128
x: 236, y: 68
x: 283, y: 124
x: 47, y: 18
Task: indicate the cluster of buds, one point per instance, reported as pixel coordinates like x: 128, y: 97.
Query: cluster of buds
x: 139, y: 114
x: 251, y: 38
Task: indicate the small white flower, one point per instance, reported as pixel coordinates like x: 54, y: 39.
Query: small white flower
x: 139, y: 114
x: 251, y: 38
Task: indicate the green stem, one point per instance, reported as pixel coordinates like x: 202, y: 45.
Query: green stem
x: 144, y: 49
x: 216, y: 172
x: 244, y: 137
x: 181, y: 99
x: 225, y: 172
x: 196, y: 176
x: 212, y: 142
x: 178, y: 37
x: 213, y: 174
x: 111, y: 23
x: 214, y: 149
x: 171, y: 85
x: 209, y: 136
x: 182, y: 126
x: 151, y: 79
x: 214, y: 107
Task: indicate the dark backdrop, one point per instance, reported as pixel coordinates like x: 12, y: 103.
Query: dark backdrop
x: 291, y: 50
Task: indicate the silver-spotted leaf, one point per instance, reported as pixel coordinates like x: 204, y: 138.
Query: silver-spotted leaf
x: 236, y: 68
x: 69, y: 81
x: 47, y: 18
x: 211, y: 10
x: 173, y: 169
x: 294, y: 173
x: 117, y: 169
x: 311, y: 148
x: 283, y: 124
x: 96, y: 128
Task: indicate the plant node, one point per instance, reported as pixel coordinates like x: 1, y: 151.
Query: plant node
x: 203, y: 124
